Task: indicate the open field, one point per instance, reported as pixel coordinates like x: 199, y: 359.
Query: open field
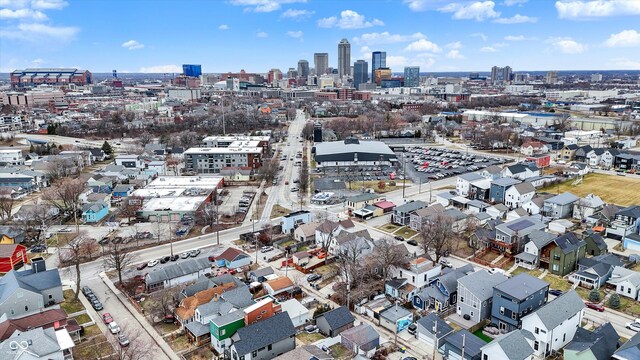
x: 611, y: 188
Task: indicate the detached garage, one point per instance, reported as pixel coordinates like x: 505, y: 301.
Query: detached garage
x: 632, y: 242
x: 12, y: 257
x: 426, y: 326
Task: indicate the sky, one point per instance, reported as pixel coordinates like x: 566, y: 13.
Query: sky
x: 257, y: 35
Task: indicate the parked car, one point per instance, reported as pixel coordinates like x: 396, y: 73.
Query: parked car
x: 168, y: 319
x: 310, y: 329
x: 594, y: 306
x: 314, y: 277
x: 555, y: 292
x: 633, y: 326
x: 86, y: 290
x: 266, y: 249
x: 97, y: 305
x: 123, y: 340
x: 212, y: 258
x: 446, y: 263
x: 294, y: 189
x: 174, y: 257
x: 141, y: 266
x: 496, y: 271
x: 113, y: 327
x: 165, y: 259
x: 184, y: 255
x: 412, y: 329
x: 153, y: 263
x: 65, y: 230
x: 106, y: 318
x: 412, y: 242
x: 399, y: 238
x: 194, y: 253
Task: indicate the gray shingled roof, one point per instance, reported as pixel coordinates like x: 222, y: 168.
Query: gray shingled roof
x: 28, y: 280
x: 44, y: 342
x: 560, y: 309
x: 411, y: 206
x: 521, y: 286
x: 563, y: 199
x: 602, y: 341
x: 178, y: 269
x: 506, y: 181
x: 481, y: 283
x: 630, y: 349
x: 263, y: 333
x: 514, y: 345
x: 429, y: 322
x: 361, y: 335
x: 541, y: 238
x: 472, y: 343
x: 338, y: 317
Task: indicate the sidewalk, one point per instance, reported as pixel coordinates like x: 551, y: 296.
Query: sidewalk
x: 166, y: 349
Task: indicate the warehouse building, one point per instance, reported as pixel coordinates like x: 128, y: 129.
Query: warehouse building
x: 353, y: 152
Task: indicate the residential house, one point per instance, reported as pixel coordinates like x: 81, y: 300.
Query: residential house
x: 561, y: 255
x: 442, y: 291
x: 97, y: 155
x: 455, y: 344
x: 608, y: 157
x: 568, y: 152
x: 299, y: 314
x: 608, y: 214
x: 418, y: 217
x: 402, y: 213
x: 532, y: 147
x: 419, y: 272
x: 484, y: 236
x: 334, y: 322
x: 260, y: 275
x: 597, y: 344
x: 265, y: 339
x: 122, y: 191
x: 581, y: 153
x: 625, y: 221
x: 328, y: 229
x: 359, y: 201
x: 12, y: 257
x: 400, y: 288
x: 631, y: 241
x: 492, y: 172
x: 12, y: 234
x: 560, y: 206
x: 223, y: 327
x: 27, y: 292
x: 305, y: 352
x: 359, y: 243
x: 511, y: 236
x: 587, y: 206
x: 130, y: 161
x: 519, y: 194
x: 516, y: 345
x: 629, y: 350
x: 305, y: 232
x: 36, y: 212
x: 516, y: 214
x: 41, y: 343
x: 530, y: 257
x: 94, y: 212
x: 463, y: 183
x: 395, y: 318
x: 279, y: 286
x: 55, y: 318
x: 595, y: 243
x: 497, y: 211
x: 515, y: 298
x: 594, y: 157
x: 521, y: 171
x: 177, y: 273
x: 295, y: 219
x: 361, y: 340
x: 187, y: 308
x: 157, y: 166
x: 536, y: 205
x: 475, y: 294
x: 100, y: 184
x: 431, y: 329
x: 626, y: 161
x: 499, y: 187
x: 233, y: 258
x: 554, y: 324
x: 626, y: 282
x: 577, y: 169
x: 595, y: 271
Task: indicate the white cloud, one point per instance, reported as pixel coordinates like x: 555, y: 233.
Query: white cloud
x: 386, y: 38
x: 516, y: 19
x: 518, y: 38
x: 479, y: 10
x: 295, y: 34
x: 567, y: 45
x: 625, y: 38
x: 14, y: 4
x: 425, y: 61
x: 158, y: 69
x: 423, y: 45
x: 223, y: 27
x: 454, y: 45
x: 49, y: 4
x: 488, y: 49
x: 455, y: 54
x: 37, y: 61
x: 132, y: 45
x: 349, y: 19
x: 626, y: 64
x: 580, y: 9
x: 262, y: 34
x: 263, y: 5
x: 34, y: 32
x: 481, y: 36
x: 514, y: 2
x: 422, y: 5
x: 297, y: 14
x: 22, y: 14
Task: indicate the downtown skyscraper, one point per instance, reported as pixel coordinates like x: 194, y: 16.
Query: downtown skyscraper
x: 303, y: 68
x: 378, y: 61
x: 321, y: 63
x: 344, y: 58
x: 360, y: 73
x: 411, y: 76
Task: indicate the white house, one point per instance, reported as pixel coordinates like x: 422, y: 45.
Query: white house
x: 463, y: 183
x: 515, y: 345
x: 594, y: 157
x: 554, y: 325
x: 298, y: 314
x: 587, y: 206
x: 626, y: 281
x: 519, y: 194
x: 607, y: 158
x: 9, y: 156
x: 418, y: 272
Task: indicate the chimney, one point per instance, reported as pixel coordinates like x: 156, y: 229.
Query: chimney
x: 38, y: 265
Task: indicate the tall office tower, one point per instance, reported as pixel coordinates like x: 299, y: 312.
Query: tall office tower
x: 321, y: 62
x: 303, y: 68
x: 360, y: 73
x: 192, y: 70
x: 378, y: 60
x: 274, y: 75
x: 292, y: 73
x: 411, y: 76
x: 500, y: 74
x: 344, y: 58
x: 552, y: 77
x: 521, y: 78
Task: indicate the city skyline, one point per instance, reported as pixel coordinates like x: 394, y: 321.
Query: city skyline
x: 436, y: 35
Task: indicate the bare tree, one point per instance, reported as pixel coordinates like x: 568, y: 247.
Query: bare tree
x: 6, y: 204
x: 72, y: 255
x: 118, y: 258
x: 145, y: 138
x: 326, y: 235
x: 269, y: 170
x: 66, y: 196
x: 160, y: 304
x: 437, y: 236
x: 130, y: 207
x: 387, y: 256
x: 139, y: 348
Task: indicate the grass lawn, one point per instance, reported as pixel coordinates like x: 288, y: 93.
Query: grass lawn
x: 179, y: 343
x: 92, y: 330
x: 278, y: 211
x: 463, y: 249
x: 389, y: 227
x: 163, y: 328
x: 508, y: 264
x: 309, y: 338
x: 584, y: 294
x: 83, y: 319
x: 95, y: 348
x: 327, y: 271
x: 629, y: 306
x: 61, y: 239
x: 635, y: 267
x: 340, y: 352
x: 70, y: 306
x: 405, y: 231
x: 557, y: 282
x: 520, y: 270
x: 482, y: 336
x: 287, y: 243
x: 611, y: 188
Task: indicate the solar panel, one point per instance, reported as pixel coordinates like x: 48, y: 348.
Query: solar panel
x: 520, y: 225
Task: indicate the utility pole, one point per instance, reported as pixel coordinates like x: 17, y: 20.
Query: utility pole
x: 217, y: 222
x: 395, y: 340
x: 404, y: 175
x: 435, y: 335
x: 463, y: 338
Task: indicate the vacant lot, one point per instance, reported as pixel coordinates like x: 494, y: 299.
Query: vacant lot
x: 619, y: 190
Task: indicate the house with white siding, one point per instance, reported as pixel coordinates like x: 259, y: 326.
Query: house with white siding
x: 626, y: 282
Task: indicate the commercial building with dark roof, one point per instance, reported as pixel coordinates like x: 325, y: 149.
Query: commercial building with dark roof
x: 50, y: 76
x: 353, y: 152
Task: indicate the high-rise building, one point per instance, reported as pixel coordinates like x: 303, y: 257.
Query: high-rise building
x: 303, y: 68
x: 520, y: 78
x: 292, y: 73
x: 596, y: 77
x: 191, y: 70
x: 552, y: 77
x: 360, y: 73
x: 500, y: 74
x: 411, y: 76
x: 344, y: 58
x: 321, y: 63
x: 274, y: 76
x: 378, y: 61
x: 381, y: 74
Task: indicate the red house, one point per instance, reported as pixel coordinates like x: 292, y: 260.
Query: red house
x: 12, y: 257
x: 542, y: 161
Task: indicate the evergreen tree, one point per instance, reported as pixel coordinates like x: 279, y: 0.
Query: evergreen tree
x: 594, y: 295
x: 107, y: 148
x: 614, y: 301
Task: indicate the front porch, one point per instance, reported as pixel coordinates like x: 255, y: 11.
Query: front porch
x: 527, y: 261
